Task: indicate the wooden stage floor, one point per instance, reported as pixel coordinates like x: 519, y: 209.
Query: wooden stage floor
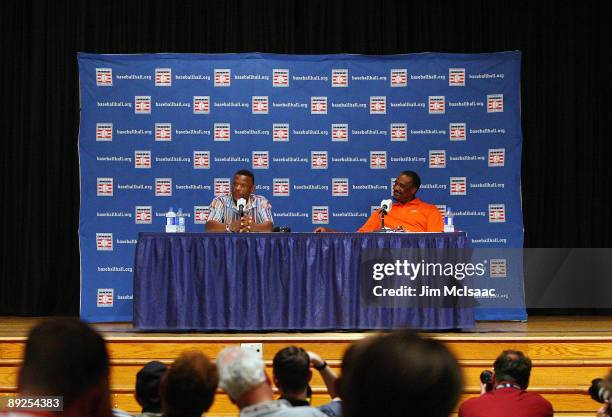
x: 538, y: 327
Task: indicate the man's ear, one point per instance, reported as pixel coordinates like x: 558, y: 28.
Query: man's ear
x: 309, y: 374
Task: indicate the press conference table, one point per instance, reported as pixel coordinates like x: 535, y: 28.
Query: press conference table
x: 273, y: 282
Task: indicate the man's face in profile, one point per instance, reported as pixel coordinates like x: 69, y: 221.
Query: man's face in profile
x: 242, y: 187
x: 403, y: 189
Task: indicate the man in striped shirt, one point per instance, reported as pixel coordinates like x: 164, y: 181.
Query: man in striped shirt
x: 224, y: 213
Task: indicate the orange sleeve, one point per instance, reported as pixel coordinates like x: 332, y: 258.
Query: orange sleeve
x: 435, y: 223
x: 373, y: 223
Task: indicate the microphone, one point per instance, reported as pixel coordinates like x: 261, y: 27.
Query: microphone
x: 385, y: 205
x: 241, y: 203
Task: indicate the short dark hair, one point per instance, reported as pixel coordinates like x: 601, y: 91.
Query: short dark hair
x: 189, y: 385
x: 246, y: 173
x: 291, y: 366
x: 63, y: 356
x: 402, y: 374
x: 416, y: 180
x: 513, y: 366
x: 147, y: 386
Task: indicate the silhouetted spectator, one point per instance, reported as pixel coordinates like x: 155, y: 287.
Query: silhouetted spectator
x: 147, y: 388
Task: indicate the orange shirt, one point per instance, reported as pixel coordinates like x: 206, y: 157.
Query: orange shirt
x: 414, y: 216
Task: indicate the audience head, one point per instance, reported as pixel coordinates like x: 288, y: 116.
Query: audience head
x: 188, y: 387
x: 241, y: 371
x: 512, y: 366
x: 401, y: 374
x: 291, y: 368
x: 147, y: 386
x: 66, y: 357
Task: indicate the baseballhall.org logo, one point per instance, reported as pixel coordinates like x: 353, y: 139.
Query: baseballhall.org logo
x: 497, y: 213
x: 104, y: 242
x: 142, y: 159
x: 201, y: 159
x: 378, y: 159
x: 280, y: 187
x: 437, y: 159
x: 441, y: 209
x: 458, y: 186
x: 399, y: 132
x: 163, y: 77
x: 163, y: 187
x: 280, y: 132
x: 143, y: 215
x: 200, y: 214
x: 201, y: 104
x: 104, y: 187
x: 498, y: 268
x: 340, y: 78
x: 339, y: 132
x: 340, y: 187
x: 105, y: 297
x: 259, y: 104
x: 320, y: 215
x: 222, y: 186
x: 104, y: 132
x: 260, y: 160
x: 223, y: 77
x: 280, y: 78
x: 495, y: 103
x: 318, y: 105
x: 456, y: 77
x: 378, y: 105
x: 497, y: 157
x: 104, y: 77
x: 399, y: 77
x: 142, y: 104
x: 222, y: 132
x: 163, y: 132
x: 318, y: 159
x: 437, y: 105
x: 457, y: 131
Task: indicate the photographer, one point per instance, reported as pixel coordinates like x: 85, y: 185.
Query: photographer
x: 508, y: 396
x: 601, y: 391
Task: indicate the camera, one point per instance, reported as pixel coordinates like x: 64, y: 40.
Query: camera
x: 486, y: 377
x: 600, y: 390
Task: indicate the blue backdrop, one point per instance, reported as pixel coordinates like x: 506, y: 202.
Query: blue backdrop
x: 324, y: 134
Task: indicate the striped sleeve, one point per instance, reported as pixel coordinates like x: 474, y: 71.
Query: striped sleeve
x: 264, y: 211
x: 216, y: 210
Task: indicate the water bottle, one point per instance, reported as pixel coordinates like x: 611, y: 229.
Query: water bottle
x: 180, y: 221
x: 171, y: 221
x: 448, y: 221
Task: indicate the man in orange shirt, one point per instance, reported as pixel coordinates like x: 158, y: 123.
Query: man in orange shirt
x: 407, y: 213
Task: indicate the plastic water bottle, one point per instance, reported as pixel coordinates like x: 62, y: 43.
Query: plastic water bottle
x: 448, y: 221
x: 180, y: 221
x: 171, y: 221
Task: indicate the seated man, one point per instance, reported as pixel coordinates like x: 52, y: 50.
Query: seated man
x: 188, y: 387
x: 65, y: 357
x: 147, y: 388
x: 292, y: 374
x: 407, y: 213
x: 508, y: 396
x: 401, y: 374
x: 224, y: 213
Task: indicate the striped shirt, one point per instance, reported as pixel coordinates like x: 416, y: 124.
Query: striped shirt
x: 223, y: 209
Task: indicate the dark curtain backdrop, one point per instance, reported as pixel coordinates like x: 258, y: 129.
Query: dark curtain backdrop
x: 565, y: 103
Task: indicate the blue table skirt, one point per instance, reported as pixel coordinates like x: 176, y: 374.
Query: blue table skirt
x: 272, y: 282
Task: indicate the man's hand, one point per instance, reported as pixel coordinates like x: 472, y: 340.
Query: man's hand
x: 246, y: 222
x: 322, y: 229
x: 235, y: 226
x: 315, y: 360
x: 604, y: 411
